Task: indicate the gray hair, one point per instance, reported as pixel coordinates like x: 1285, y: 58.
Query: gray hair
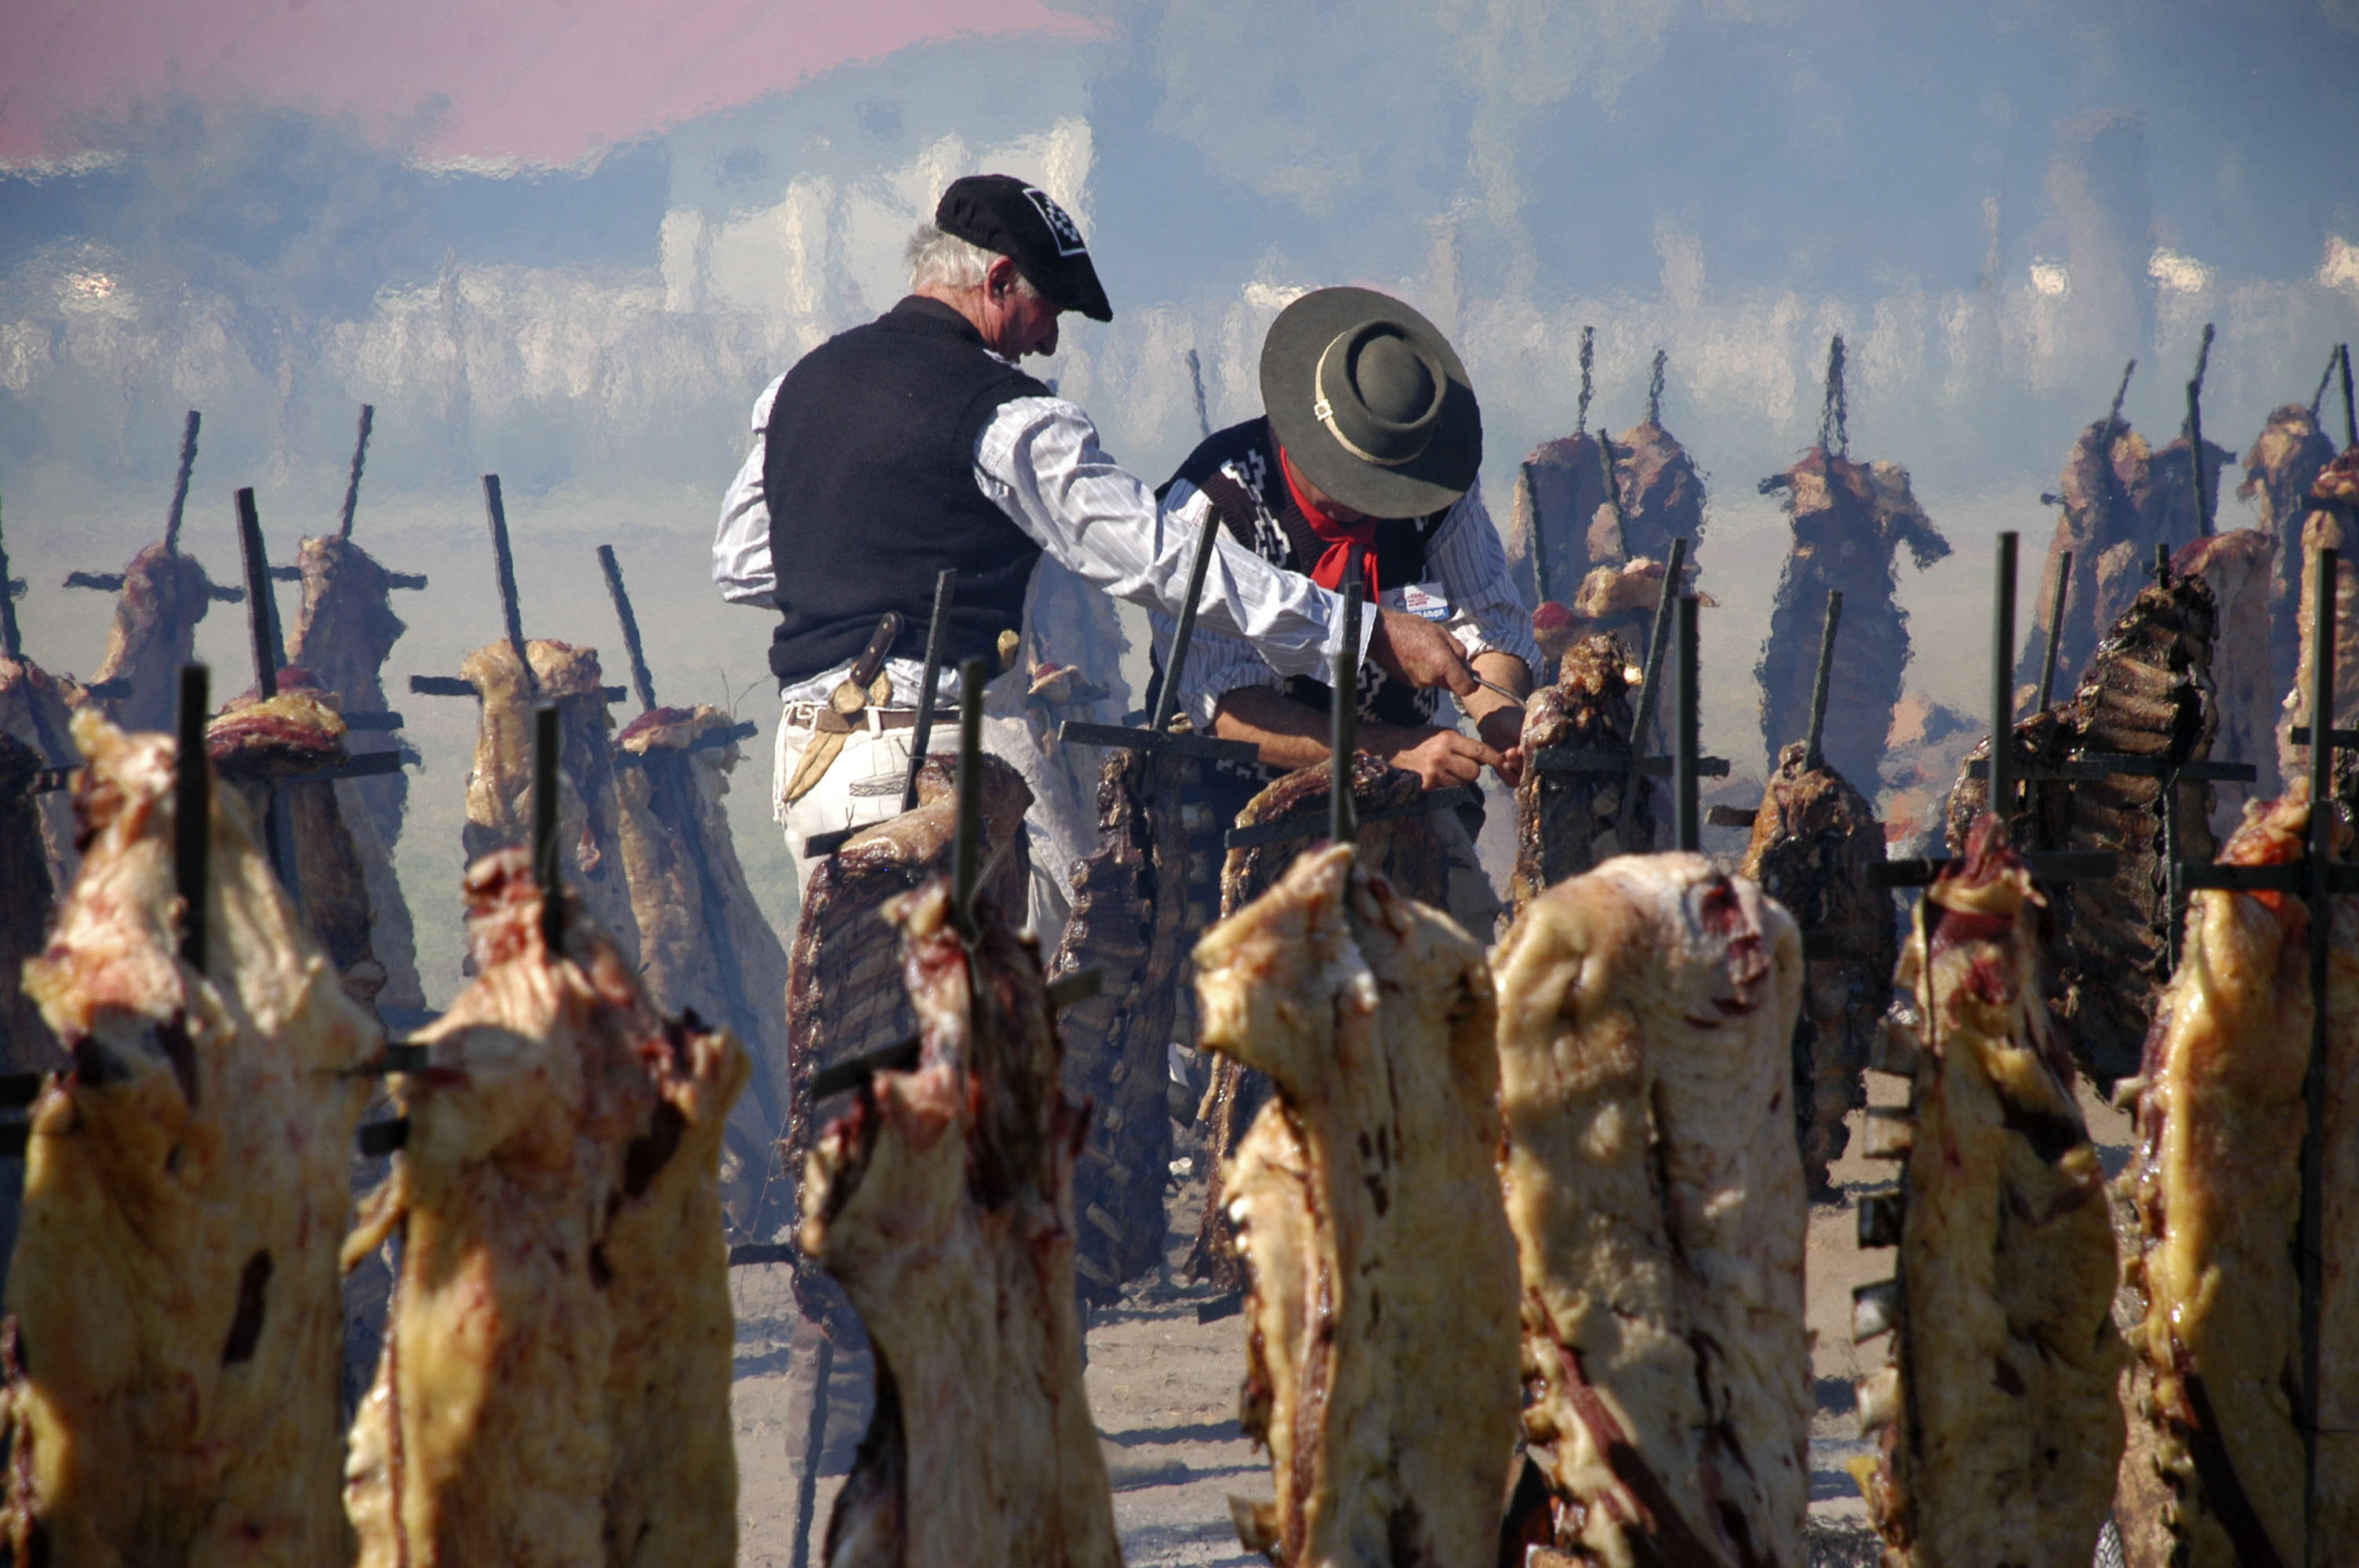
x: 940, y: 259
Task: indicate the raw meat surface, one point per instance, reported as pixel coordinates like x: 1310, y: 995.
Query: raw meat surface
x: 942, y: 1201
x: 1646, y: 1018
x: 1382, y: 1347
x: 172, y: 1369
x: 554, y: 1387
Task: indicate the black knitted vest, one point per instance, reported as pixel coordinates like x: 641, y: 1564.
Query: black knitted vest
x: 869, y: 473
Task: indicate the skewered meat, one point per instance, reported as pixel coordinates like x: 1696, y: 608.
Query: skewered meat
x: 2217, y: 1182
x: 1995, y: 1424
x: 704, y: 944
x: 1404, y: 850
x: 1130, y: 921
x: 2168, y: 499
x: 172, y: 1372
x: 1662, y: 491
x: 499, y: 790
x: 841, y: 999
x: 1559, y: 496
x: 2110, y: 538
x: 165, y: 594
x: 1848, y: 518
x: 1567, y: 823
x: 2285, y: 459
x: 2147, y: 693
x: 1381, y: 1356
x: 256, y: 745
x: 1814, y: 840
x: 343, y: 635
x: 942, y: 1205
x: 35, y: 707
x: 554, y: 1387
x: 2236, y: 567
x: 1646, y: 1024
x: 2326, y: 528
x: 2043, y: 815
x: 25, y: 1045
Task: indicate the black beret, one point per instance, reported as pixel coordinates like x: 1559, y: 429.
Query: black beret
x: 1024, y: 224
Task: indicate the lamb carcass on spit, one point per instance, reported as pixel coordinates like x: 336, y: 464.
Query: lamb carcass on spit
x: 1130, y: 921
x: 343, y: 635
x: 1404, y: 850
x: 256, y: 745
x: 1381, y: 1353
x: 842, y: 1000
x: 554, y: 1386
x: 2217, y: 1183
x: 942, y: 1203
x: 165, y: 594
x: 1566, y: 823
x: 499, y: 789
x: 172, y: 1369
x: 1848, y: 519
x: 1559, y: 496
x: 36, y: 707
x: 1995, y: 1424
x: 704, y: 944
x: 1646, y: 1024
x: 1814, y: 840
x: 2109, y: 537
x: 2285, y: 461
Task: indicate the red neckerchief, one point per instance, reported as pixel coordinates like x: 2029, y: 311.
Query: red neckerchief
x: 1340, y: 538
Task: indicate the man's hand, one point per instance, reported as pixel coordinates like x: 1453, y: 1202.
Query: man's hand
x: 1439, y: 758
x: 1413, y: 649
x: 1503, y: 732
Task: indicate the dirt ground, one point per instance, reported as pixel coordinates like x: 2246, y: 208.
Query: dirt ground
x: 1164, y: 1388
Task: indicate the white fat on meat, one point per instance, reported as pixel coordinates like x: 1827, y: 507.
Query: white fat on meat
x: 554, y: 1387
x: 1381, y: 1357
x: 172, y: 1374
x: 1646, y: 1011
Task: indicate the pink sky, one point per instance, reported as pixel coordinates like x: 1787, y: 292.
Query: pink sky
x: 540, y: 80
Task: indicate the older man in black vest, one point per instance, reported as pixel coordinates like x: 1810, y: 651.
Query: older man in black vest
x: 915, y: 443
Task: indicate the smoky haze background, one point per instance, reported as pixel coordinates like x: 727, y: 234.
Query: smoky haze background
x: 1997, y: 205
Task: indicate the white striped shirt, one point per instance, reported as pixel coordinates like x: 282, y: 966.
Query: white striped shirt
x: 1464, y: 558
x: 1038, y: 459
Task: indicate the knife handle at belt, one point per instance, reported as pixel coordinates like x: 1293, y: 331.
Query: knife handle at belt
x: 871, y: 657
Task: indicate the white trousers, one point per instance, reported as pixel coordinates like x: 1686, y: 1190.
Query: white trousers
x: 864, y: 786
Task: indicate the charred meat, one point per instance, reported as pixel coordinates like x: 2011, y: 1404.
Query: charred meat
x: 1566, y: 823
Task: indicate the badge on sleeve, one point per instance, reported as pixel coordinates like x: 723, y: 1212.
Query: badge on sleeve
x: 1426, y: 600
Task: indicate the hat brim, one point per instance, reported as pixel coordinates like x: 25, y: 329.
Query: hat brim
x: 1433, y: 480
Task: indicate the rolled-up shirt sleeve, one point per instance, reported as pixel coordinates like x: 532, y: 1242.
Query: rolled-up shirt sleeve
x: 1486, y: 613
x: 740, y: 544
x: 1039, y: 461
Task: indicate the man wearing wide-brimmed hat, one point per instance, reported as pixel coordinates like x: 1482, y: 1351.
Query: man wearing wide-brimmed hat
x: 915, y: 443
x: 1365, y: 457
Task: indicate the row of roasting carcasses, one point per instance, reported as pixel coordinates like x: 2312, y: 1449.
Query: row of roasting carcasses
x: 1533, y: 1212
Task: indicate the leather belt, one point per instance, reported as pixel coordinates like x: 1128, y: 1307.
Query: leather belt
x: 819, y: 716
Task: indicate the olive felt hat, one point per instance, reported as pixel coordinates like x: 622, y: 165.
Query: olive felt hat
x: 1371, y: 403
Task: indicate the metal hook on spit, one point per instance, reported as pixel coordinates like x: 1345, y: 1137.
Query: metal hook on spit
x: 966, y: 845
x: 2056, y: 601
x: 1812, y: 756
x: 545, y: 747
x: 937, y: 628
x: 1686, y: 743
x: 2000, y: 794
x: 193, y: 807
x: 1344, y: 721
